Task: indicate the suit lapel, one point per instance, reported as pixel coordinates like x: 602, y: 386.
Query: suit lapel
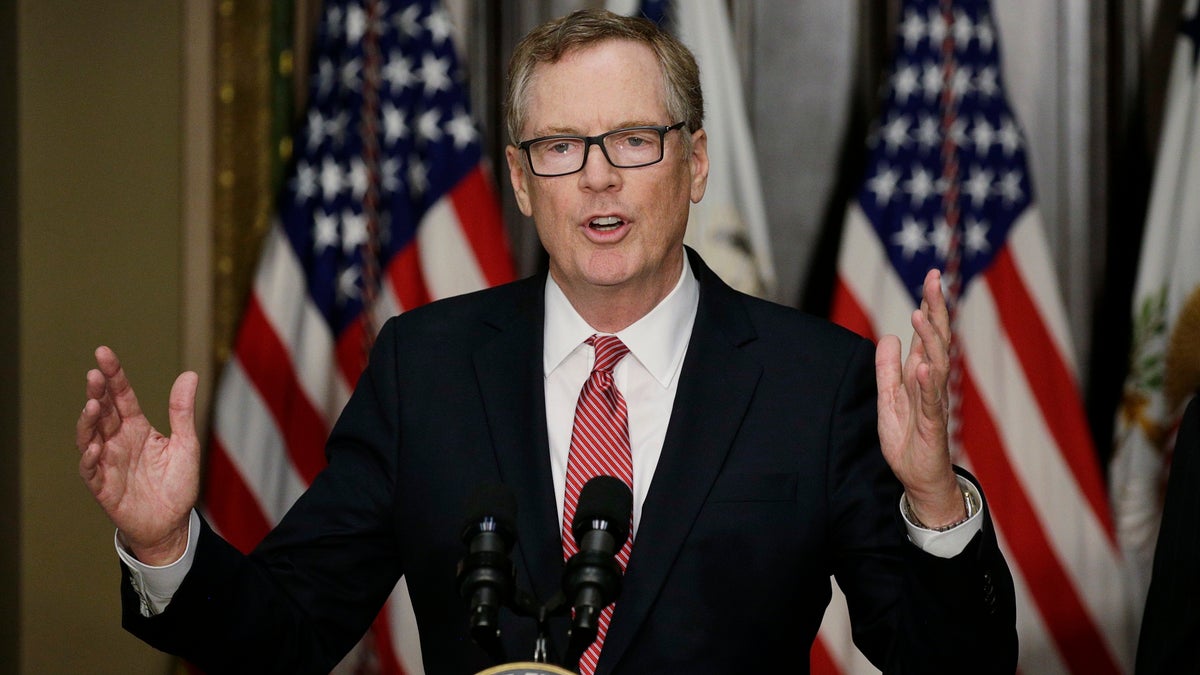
x: 509, y: 369
x: 700, y: 433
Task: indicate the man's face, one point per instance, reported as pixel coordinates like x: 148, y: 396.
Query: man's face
x: 609, y: 229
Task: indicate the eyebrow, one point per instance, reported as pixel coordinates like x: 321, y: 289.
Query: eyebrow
x: 574, y: 131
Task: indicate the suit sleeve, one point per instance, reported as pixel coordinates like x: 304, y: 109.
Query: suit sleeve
x: 911, y: 612
x: 1170, y: 633
x: 291, y: 606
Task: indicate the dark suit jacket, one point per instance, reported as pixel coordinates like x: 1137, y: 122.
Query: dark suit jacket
x: 1170, y: 637
x: 770, y: 481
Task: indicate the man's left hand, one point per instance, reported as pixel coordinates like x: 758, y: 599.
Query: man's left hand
x: 914, y: 411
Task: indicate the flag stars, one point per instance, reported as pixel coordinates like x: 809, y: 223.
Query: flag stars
x: 983, y: 134
x: 958, y: 132
x: 389, y: 178
x: 429, y: 125
x: 356, y: 24
x: 357, y: 178
x: 960, y: 82
x: 335, y: 128
x: 333, y: 19
x: 931, y: 80
x: 352, y: 75
x: 462, y: 129
x: 418, y: 176
x: 407, y: 21
x: 910, y: 238
x: 976, y: 241
x: 1009, y: 187
x: 435, y: 72
x: 316, y: 130
x: 937, y: 28
x: 347, y: 285
x: 978, y: 186
x: 963, y: 30
x: 912, y: 30
x: 394, y: 127
x: 1009, y: 136
x: 905, y: 82
x: 942, y: 236
x: 987, y: 82
x: 920, y: 186
x: 325, y: 232
x: 331, y: 179
x: 985, y: 34
x: 354, y: 231
x: 398, y: 72
x: 440, y: 26
x: 326, y: 74
x: 883, y: 184
x: 929, y: 135
x: 305, y: 182
x: 895, y: 133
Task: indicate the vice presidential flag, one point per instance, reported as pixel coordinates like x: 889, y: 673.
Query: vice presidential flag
x: 389, y: 205
x: 1164, y: 363
x: 948, y: 186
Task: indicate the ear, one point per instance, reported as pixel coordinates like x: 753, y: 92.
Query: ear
x: 699, y: 164
x: 519, y: 178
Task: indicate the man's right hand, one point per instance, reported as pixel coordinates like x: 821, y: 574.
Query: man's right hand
x: 145, y: 482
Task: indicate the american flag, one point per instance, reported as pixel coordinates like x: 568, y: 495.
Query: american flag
x: 948, y: 186
x: 389, y: 205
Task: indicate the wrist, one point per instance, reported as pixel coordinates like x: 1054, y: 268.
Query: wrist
x: 944, y: 514
x: 163, y: 552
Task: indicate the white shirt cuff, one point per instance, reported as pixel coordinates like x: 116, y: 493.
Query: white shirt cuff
x: 951, y: 542
x: 156, y: 585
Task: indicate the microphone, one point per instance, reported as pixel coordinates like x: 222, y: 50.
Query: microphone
x: 486, y: 575
x: 593, y: 576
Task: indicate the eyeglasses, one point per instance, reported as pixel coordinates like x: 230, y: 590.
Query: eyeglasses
x: 626, y: 148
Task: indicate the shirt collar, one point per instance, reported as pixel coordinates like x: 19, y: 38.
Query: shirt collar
x: 657, y: 340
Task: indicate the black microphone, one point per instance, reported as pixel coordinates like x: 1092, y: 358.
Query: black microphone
x: 593, y: 576
x: 486, y: 575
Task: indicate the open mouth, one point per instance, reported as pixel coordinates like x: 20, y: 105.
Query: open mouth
x: 606, y: 223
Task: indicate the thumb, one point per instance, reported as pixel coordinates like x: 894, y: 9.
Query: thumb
x: 181, y: 410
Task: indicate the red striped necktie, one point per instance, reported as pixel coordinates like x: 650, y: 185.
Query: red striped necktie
x: 599, y: 447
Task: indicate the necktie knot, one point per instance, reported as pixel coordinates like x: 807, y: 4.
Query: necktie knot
x: 609, y: 351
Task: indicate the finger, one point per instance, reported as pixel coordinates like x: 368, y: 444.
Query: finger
x: 123, y: 399
x: 85, y: 427
x: 933, y: 349
x: 182, y: 407
x: 89, y: 459
x: 887, y: 365
x: 933, y: 304
x: 107, y: 422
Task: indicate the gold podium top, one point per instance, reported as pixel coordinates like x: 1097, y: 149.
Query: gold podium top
x: 525, y: 668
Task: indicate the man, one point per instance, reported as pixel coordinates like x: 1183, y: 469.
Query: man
x: 758, y: 461
x: 1169, y: 641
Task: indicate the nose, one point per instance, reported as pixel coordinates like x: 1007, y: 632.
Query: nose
x: 598, y: 174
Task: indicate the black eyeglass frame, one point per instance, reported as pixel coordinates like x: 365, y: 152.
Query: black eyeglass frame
x: 589, y: 141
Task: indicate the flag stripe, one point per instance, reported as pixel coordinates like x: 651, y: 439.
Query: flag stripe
x: 229, y: 504
x: 1077, y: 535
x: 383, y: 150
x: 1078, y: 640
x: 1049, y: 380
x: 476, y: 208
x: 407, y: 279
x: 447, y: 263
x: 259, y: 455
x: 267, y: 366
